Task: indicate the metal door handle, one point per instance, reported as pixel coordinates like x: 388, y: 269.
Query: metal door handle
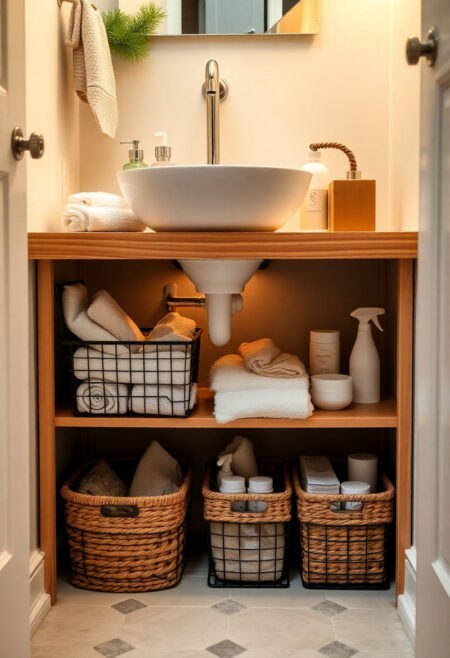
x: 415, y: 48
x: 35, y: 144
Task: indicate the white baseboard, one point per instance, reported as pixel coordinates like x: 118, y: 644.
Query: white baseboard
x: 407, y: 601
x: 39, y: 600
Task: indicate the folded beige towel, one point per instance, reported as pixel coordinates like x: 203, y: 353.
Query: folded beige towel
x: 102, y: 480
x: 79, y: 217
x: 103, y: 199
x: 229, y: 374
x: 93, y: 72
x: 75, y: 305
x: 265, y: 358
x: 157, y: 474
x: 105, y: 311
x: 248, y: 552
x: 173, y: 327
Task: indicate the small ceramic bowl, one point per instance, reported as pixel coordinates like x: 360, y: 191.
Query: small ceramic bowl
x: 331, y: 392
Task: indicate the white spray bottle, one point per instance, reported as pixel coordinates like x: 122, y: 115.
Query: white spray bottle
x: 364, y: 359
x: 224, y: 461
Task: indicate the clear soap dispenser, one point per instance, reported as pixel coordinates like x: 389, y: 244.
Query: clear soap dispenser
x: 136, y: 156
x: 163, y: 152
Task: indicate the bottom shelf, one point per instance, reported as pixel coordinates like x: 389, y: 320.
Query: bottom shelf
x: 382, y: 414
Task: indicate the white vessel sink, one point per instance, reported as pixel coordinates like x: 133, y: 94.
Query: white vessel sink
x: 214, y: 197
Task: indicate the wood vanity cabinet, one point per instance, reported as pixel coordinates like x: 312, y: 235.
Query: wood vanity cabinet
x: 382, y: 262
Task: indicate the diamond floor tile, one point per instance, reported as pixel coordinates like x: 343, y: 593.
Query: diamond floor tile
x: 328, y: 608
x: 127, y: 606
x: 228, y: 607
x: 113, y: 648
x: 226, y: 649
x: 337, y: 650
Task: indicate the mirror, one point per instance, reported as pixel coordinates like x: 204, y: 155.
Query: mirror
x: 239, y: 17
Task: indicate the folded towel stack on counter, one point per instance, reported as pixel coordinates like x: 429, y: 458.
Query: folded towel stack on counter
x: 99, y: 211
x: 260, y: 382
x: 120, y: 368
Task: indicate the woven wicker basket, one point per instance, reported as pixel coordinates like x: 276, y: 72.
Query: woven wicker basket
x: 126, y: 544
x: 249, y: 549
x: 344, y: 548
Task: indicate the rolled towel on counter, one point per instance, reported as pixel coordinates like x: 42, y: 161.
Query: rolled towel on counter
x: 173, y: 327
x: 161, y: 367
x: 105, y: 311
x: 269, y: 403
x: 75, y: 304
x: 230, y: 374
x: 264, y: 358
x: 99, y: 397
x: 78, y: 218
x: 162, y: 400
x: 103, y: 199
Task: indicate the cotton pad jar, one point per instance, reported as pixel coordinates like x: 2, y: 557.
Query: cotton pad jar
x: 331, y: 391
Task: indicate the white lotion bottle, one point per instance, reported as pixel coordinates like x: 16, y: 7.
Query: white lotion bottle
x: 314, y: 209
x: 163, y: 152
x: 364, y: 359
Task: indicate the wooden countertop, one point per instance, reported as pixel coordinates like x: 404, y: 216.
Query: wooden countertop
x: 168, y: 246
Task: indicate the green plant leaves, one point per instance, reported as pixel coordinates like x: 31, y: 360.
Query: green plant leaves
x: 128, y: 34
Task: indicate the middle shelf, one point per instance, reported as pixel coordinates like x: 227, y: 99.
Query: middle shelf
x: 382, y: 414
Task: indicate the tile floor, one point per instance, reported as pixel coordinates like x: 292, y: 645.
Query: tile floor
x: 194, y: 621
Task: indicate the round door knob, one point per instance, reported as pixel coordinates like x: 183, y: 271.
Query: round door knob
x: 35, y: 144
x: 415, y: 48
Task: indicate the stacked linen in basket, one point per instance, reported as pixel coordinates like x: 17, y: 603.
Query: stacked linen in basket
x: 120, y: 368
x: 260, y: 382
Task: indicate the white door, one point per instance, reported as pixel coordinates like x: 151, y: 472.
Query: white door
x: 14, y: 441
x: 432, y: 439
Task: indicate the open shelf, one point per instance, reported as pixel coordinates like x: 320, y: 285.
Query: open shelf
x: 383, y: 414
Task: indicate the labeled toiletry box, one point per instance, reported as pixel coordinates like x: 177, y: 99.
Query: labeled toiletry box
x: 351, y: 205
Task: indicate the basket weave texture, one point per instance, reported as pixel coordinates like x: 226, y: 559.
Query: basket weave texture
x: 344, y: 547
x: 125, y: 544
x: 217, y: 506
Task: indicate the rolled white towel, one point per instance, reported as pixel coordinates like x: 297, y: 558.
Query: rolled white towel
x: 168, y: 367
x: 104, y: 199
x: 230, y: 374
x: 172, y: 327
x: 97, y: 397
x: 78, y: 218
x: 106, y: 312
x: 268, y: 403
x: 75, y: 304
x: 162, y: 400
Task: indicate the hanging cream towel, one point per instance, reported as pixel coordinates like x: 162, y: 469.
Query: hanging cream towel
x: 93, y: 73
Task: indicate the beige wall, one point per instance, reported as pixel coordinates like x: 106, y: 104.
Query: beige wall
x: 284, y: 93
x: 51, y: 110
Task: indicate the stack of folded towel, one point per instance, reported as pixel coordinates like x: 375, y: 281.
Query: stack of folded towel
x: 99, y: 211
x: 260, y: 382
x: 121, y: 368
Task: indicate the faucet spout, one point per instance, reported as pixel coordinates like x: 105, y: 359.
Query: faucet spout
x: 212, y: 93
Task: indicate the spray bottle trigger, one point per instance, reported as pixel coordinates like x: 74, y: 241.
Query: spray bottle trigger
x: 377, y: 322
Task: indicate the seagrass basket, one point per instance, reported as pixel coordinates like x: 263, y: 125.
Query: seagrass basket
x: 344, y: 549
x: 249, y: 549
x: 126, y: 544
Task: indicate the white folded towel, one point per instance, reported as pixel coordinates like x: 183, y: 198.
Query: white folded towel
x: 97, y: 397
x: 103, y: 199
x: 268, y: 403
x: 105, y: 311
x: 93, y: 73
x: 173, y: 327
x: 78, y: 218
x: 168, y: 367
x: 75, y: 305
x: 162, y: 400
x: 230, y: 374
